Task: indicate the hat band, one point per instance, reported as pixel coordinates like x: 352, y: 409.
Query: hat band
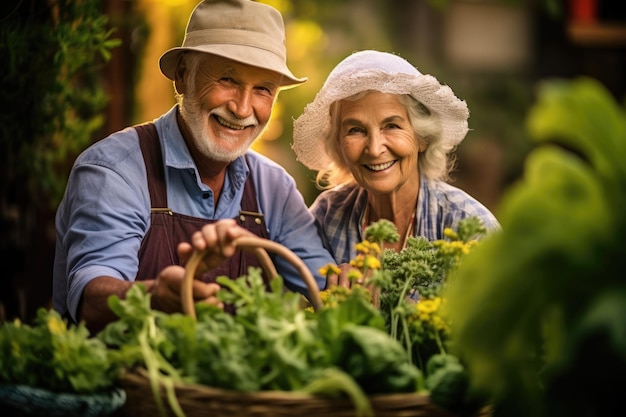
x: 233, y: 37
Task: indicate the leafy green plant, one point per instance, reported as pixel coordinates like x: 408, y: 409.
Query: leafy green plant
x: 407, y: 288
x: 411, y: 282
x: 539, y: 308
x: 343, y: 350
x: 53, y: 355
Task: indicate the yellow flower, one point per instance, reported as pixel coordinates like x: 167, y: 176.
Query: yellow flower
x: 469, y: 245
x: 440, y: 324
x: 450, y: 234
x: 371, y: 262
x: 428, y: 306
x: 458, y: 245
x: 329, y: 269
x: 455, y: 248
x: 423, y: 316
x: 362, y: 247
x: 367, y: 247
x: 358, y: 261
x: 56, y: 326
x: 332, y: 297
x: 375, y: 248
x: 323, y: 297
x: 355, y: 275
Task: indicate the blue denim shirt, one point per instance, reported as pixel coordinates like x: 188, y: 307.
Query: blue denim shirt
x: 105, y: 212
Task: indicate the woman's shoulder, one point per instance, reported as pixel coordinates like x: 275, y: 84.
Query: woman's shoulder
x: 456, y: 200
x: 445, y: 192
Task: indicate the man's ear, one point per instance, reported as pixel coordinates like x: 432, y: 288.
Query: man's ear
x: 179, y: 75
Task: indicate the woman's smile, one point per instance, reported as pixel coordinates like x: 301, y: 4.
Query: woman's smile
x: 379, y: 167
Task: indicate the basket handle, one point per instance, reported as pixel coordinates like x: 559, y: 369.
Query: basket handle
x: 259, y: 247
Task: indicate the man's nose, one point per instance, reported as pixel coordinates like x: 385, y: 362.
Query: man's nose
x: 241, y: 104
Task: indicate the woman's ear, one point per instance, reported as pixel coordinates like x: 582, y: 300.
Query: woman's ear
x: 422, y: 144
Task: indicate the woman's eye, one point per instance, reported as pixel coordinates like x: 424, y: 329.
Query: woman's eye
x: 355, y: 131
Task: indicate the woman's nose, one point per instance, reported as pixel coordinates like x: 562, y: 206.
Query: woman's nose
x: 376, y: 143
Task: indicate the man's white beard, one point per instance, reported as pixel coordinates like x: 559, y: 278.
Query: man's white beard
x: 198, y: 122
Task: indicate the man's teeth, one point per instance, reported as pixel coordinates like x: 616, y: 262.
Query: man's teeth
x: 223, y: 122
x: 380, y: 167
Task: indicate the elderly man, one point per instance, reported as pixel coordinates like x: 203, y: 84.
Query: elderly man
x: 133, y: 197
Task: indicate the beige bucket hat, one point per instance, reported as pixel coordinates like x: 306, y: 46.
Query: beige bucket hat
x: 377, y: 71
x: 242, y: 30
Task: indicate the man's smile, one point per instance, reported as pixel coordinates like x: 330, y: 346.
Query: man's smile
x: 228, y: 124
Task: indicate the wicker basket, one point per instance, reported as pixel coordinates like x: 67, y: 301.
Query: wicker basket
x: 203, y: 401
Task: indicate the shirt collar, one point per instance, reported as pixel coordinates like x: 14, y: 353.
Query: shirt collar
x: 177, y: 156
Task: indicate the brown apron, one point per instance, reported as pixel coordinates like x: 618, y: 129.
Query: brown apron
x: 168, y: 229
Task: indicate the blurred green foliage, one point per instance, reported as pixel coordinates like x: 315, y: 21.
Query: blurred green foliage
x: 52, y: 99
x: 51, y: 56
x: 539, y: 308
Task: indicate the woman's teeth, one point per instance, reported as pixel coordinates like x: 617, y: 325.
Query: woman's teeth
x: 380, y: 167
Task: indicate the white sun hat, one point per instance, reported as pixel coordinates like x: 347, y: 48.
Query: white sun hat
x: 378, y: 71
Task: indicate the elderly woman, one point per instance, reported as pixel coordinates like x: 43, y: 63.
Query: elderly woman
x: 380, y: 134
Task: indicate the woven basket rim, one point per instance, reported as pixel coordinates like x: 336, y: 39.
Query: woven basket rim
x: 221, y: 402
x: 260, y: 248
x: 139, y: 376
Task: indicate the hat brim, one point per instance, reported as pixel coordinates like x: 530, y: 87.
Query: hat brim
x: 242, y: 54
x: 311, y: 129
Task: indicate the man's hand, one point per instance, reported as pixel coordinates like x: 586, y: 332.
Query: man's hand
x: 216, y: 240
x: 167, y: 287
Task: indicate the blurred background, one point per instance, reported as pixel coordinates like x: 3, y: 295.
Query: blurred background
x: 74, y: 71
